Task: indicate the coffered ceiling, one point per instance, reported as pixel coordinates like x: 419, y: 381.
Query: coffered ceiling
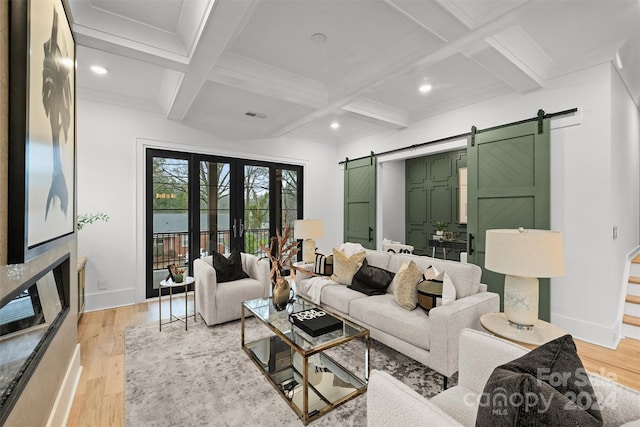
x: 300, y: 65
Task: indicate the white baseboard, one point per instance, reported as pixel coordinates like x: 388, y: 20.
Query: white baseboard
x: 109, y: 299
x: 596, y: 334
x: 631, y: 331
x: 64, y: 400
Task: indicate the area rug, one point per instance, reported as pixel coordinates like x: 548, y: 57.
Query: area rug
x: 202, y: 377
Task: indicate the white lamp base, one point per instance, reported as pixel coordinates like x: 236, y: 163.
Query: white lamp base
x: 521, y: 295
x: 309, y: 251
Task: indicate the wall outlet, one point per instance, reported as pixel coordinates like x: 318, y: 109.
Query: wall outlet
x: 102, y: 284
x: 615, y: 232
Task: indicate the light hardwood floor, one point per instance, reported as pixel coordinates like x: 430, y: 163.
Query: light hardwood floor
x: 99, y: 400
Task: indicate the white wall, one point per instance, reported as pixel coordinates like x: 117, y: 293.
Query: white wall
x: 391, y: 218
x: 111, y: 178
x: 583, y: 199
x: 625, y: 175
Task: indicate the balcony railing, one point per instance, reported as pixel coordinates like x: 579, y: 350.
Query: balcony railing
x: 173, y: 248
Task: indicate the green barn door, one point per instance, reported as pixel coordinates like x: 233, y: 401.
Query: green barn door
x: 509, y: 187
x: 360, y: 202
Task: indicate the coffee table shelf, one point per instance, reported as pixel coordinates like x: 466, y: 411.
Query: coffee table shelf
x: 294, y: 362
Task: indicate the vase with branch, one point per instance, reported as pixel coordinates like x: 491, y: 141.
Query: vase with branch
x: 281, y: 253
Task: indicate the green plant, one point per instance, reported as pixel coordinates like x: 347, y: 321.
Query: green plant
x: 86, y: 219
x: 440, y: 225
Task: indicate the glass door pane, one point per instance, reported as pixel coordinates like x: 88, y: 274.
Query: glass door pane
x: 255, y: 222
x: 170, y: 216
x: 287, y: 200
x: 215, y: 207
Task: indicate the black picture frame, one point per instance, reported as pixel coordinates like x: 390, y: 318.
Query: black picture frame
x: 42, y: 128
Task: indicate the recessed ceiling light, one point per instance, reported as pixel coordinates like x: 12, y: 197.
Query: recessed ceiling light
x: 318, y: 38
x: 335, y: 125
x: 425, y: 88
x: 99, y: 69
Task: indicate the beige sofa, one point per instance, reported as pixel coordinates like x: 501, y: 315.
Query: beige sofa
x: 431, y: 339
x: 392, y: 403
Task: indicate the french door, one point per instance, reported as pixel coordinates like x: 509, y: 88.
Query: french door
x: 199, y: 204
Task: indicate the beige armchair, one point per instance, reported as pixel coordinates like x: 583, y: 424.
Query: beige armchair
x: 222, y: 302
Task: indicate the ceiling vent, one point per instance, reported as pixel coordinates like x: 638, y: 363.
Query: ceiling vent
x: 255, y: 115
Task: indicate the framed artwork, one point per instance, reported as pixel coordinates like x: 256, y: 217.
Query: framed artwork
x: 42, y: 128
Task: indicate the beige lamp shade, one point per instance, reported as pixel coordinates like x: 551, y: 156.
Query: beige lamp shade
x: 526, y: 253
x: 308, y: 230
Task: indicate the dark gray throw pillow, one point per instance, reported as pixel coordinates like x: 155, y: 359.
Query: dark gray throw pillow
x: 547, y: 386
x: 228, y: 269
x: 371, y: 280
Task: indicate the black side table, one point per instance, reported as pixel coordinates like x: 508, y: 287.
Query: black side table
x: 428, y: 292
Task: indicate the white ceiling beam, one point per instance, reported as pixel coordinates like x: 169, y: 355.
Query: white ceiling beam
x: 406, y: 59
x: 225, y: 22
x: 474, y: 18
x: 519, y: 48
x: 379, y: 113
x: 169, y: 89
x: 247, y: 74
x: 151, y: 55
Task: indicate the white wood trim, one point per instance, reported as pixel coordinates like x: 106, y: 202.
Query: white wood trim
x: 62, y: 406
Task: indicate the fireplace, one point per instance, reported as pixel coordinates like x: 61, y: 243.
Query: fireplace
x: 30, y: 316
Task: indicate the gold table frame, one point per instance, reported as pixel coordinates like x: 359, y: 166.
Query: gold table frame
x: 307, y: 348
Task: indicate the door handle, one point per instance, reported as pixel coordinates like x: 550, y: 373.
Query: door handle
x: 470, y: 244
x: 234, y: 228
x: 241, y: 228
x: 370, y: 230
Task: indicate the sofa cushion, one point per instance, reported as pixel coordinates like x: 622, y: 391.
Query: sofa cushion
x: 381, y: 312
x: 553, y: 385
x: 228, y: 269
x: 371, y: 280
x: 405, y: 282
x: 379, y: 259
x: 339, y: 297
x: 345, y: 267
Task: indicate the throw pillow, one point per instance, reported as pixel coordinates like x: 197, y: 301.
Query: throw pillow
x: 448, y: 290
x: 323, y: 265
x: 344, y: 268
x: 350, y: 249
x: 371, y: 280
x: 547, y: 386
x: 432, y: 273
x: 405, y: 282
x: 228, y: 269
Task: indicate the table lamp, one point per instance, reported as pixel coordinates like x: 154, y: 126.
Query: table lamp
x: 524, y: 256
x: 308, y: 230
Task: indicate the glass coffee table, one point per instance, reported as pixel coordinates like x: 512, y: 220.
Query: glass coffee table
x: 310, y: 381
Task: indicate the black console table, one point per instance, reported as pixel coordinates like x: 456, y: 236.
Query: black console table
x: 451, y: 245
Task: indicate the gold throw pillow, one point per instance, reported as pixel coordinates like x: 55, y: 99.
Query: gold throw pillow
x: 405, y: 284
x: 345, y: 268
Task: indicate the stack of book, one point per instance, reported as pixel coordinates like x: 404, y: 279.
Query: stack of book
x: 315, y: 321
